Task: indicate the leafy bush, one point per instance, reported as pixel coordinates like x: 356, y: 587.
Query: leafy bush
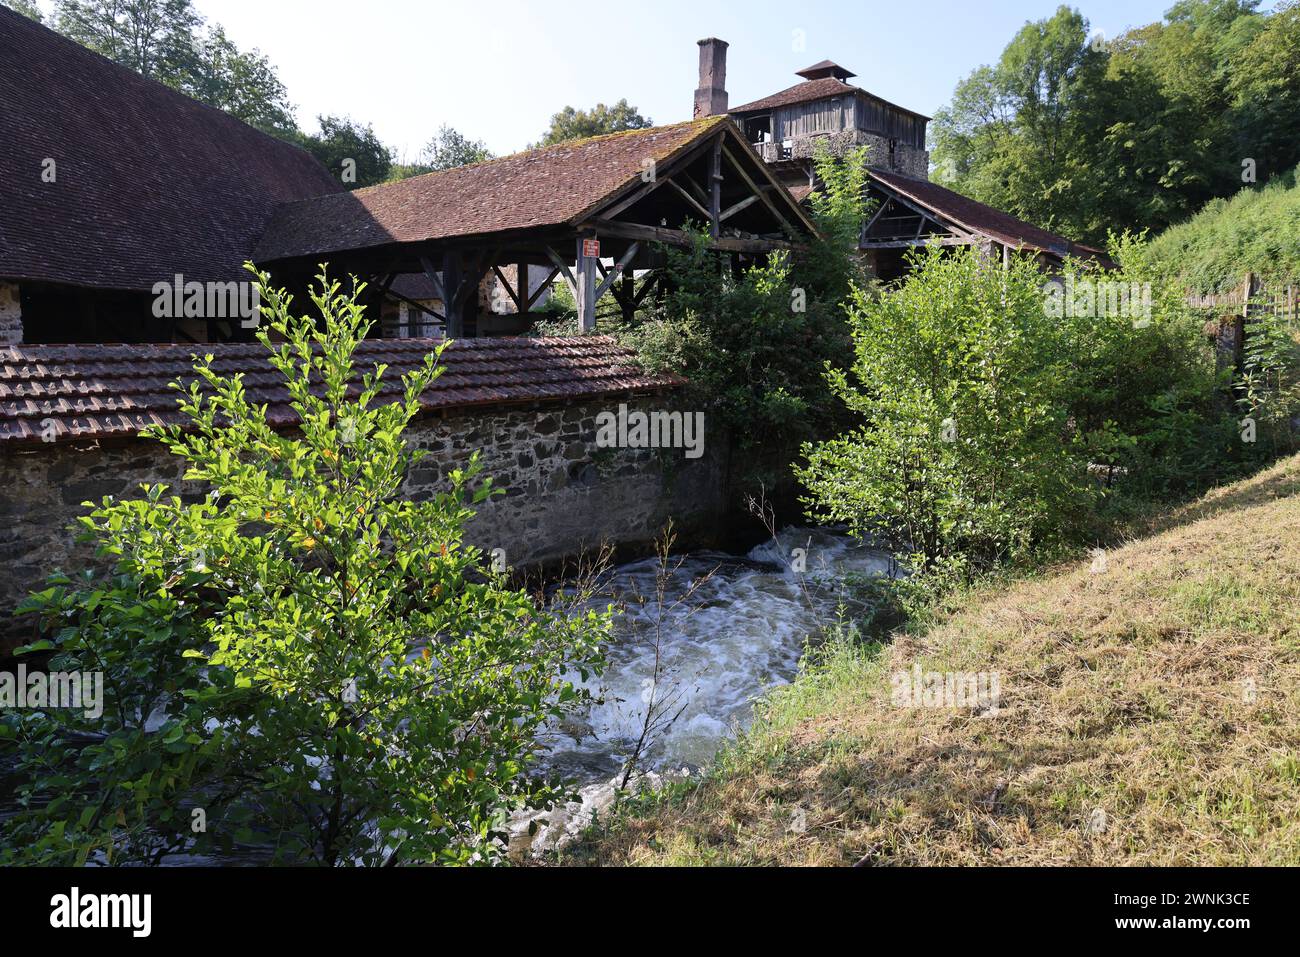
x: 322, y: 666
x: 755, y: 345
x: 963, y: 456
x: 992, y: 425
x: 1257, y: 230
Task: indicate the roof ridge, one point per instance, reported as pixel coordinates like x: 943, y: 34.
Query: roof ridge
x: 540, y: 150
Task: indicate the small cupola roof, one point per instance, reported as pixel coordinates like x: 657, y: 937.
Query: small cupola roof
x: 824, y: 69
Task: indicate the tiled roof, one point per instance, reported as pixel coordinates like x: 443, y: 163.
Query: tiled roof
x: 978, y: 218
x: 113, y: 391
x: 147, y: 182
x: 810, y: 90
x: 551, y: 186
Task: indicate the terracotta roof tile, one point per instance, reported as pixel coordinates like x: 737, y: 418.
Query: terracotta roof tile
x: 538, y: 188
x: 810, y: 90
x: 148, y: 182
x: 979, y: 218
x: 113, y: 391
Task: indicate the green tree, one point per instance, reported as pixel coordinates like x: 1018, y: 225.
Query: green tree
x: 449, y: 149
x: 1264, y: 86
x: 26, y: 8
x: 572, y: 124
x: 348, y: 149
x: 153, y: 37
x: 166, y: 40
x: 1086, y: 134
x: 323, y: 665
x: 962, y: 456
x: 243, y: 84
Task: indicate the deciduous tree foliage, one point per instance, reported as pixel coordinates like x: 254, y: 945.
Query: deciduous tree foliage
x: 165, y: 40
x: 1084, y: 134
x: 345, y: 146
x: 573, y: 124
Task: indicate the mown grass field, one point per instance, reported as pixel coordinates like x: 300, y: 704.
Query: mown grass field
x: 1149, y: 714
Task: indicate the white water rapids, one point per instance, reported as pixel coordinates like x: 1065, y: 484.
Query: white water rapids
x: 742, y: 631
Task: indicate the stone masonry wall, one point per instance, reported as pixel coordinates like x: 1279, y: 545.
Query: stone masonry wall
x: 563, y: 494
x: 907, y: 160
x: 11, y: 315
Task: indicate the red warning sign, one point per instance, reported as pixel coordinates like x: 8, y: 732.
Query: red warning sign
x: 591, y: 248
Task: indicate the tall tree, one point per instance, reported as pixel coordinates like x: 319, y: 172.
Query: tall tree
x: 244, y: 84
x: 572, y: 124
x: 26, y: 8
x: 449, y: 149
x: 166, y: 40
x: 153, y: 37
x: 1084, y: 135
x: 1264, y: 86
x: 349, y: 150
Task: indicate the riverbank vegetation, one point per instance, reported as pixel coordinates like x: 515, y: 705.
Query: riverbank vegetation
x: 1149, y: 713
x: 1000, y: 435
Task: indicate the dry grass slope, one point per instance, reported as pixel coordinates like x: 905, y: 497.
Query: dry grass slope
x: 1150, y: 715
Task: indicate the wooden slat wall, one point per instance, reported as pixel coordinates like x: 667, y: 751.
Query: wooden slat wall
x: 848, y: 112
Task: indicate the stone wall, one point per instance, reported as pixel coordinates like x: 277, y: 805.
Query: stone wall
x: 563, y: 493
x: 11, y: 315
x: 907, y: 160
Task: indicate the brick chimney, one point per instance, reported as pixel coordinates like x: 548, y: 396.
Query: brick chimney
x: 711, y: 97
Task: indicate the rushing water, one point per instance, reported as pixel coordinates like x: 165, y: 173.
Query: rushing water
x: 727, y: 629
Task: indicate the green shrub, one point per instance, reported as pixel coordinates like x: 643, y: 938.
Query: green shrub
x: 963, y: 456
x: 329, y: 668
x: 755, y: 345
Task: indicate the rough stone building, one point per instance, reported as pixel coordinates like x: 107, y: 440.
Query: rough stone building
x: 127, y: 211
x: 70, y: 418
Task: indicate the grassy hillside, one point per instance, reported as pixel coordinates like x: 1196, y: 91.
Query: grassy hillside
x: 1150, y: 714
x: 1257, y: 230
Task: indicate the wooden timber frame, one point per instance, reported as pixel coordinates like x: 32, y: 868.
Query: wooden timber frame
x: 715, y: 183
x: 897, y: 222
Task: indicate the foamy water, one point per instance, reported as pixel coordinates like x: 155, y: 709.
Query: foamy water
x: 742, y: 631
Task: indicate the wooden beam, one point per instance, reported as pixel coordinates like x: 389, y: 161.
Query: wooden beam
x: 638, y: 193
x: 619, y: 266
x: 451, y: 288
x: 513, y: 294
x: 732, y: 210
x: 541, y: 289
x: 760, y: 193
x: 675, y: 237
x: 690, y: 199
x: 563, y: 269
x: 912, y: 243
x: 415, y: 305
x: 715, y: 188
x: 647, y: 283
x: 431, y: 274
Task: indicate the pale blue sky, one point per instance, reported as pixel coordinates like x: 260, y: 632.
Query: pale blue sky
x: 497, y: 69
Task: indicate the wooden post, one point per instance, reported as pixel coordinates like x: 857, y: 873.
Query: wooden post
x: 715, y: 189
x: 586, y: 278
x: 451, y: 288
